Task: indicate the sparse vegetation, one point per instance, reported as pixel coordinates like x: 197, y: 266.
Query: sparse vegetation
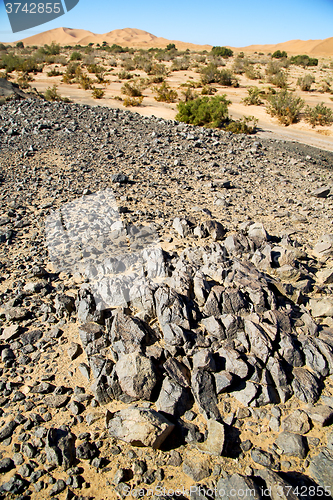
x: 318, y: 115
x: 245, y: 125
x: 165, y: 93
x: 305, y: 82
x: 97, y: 93
x: 51, y: 94
x: 254, y: 97
x: 133, y: 101
x: 285, y: 106
x: 133, y: 90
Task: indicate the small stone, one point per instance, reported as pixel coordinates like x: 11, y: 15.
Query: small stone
x: 292, y: 444
x: 196, y: 468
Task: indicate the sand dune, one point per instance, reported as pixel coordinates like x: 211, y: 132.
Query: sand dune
x: 143, y: 39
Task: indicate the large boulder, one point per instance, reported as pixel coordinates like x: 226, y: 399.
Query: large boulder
x: 140, y: 427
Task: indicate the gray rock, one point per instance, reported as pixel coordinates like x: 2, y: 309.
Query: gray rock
x: 60, y: 447
x: 204, y: 394
x: 182, y: 227
x: 232, y: 488
x: 203, y: 359
x: 178, y: 372
x: 297, y: 422
x: 292, y: 444
x: 7, y: 430
x: 196, y: 468
x: 321, y: 414
x: 140, y: 427
x: 245, y: 393
x: 136, y: 375
x: 128, y: 334
x: 279, y: 489
x: 305, y: 385
x: 321, y: 192
x: 6, y: 464
x: 215, y: 439
x: 223, y: 381
x: 321, y: 469
x: 173, y: 398
x: 262, y: 457
x: 58, y: 487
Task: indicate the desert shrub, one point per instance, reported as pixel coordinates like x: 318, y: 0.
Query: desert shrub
x: 11, y: 62
x: 128, y: 65
x: 158, y: 70
x: 285, y: 106
x: 245, y: 125
x: 325, y: 86
x: 208, y: 90
x: 200, y: 58
x: 95, y: 68
x: 23, y: 80
x: 222, y: 51
x: 165, y: 93
x: 252, y: 73
x: 227, y: 78
x: 51, y: 94
x: 279, y: 80
x: 188, y: 94
x: 133, y: 101
x: 20, y: 45
x: 253, y: 97
x: 85, y: 82
x: 273, y: 68
x: 305, y: 82
x: 97, y: 93
x: 54, y: 72
x: 3, y: 47
x: 76, y: 56
x: 206, y: 111
x: 210, y: 74
x: 318, y: 115
x: 279, y: 55
x: 50, y: 50
x: 171, y: 46
x: 180, y: 64
x: 131, y: 90
x: 155, y: 79
x: 73, y: 70
x: 304, y: 61
x: 124, y: 75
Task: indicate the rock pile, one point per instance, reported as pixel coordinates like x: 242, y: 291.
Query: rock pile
x: 209, y: 369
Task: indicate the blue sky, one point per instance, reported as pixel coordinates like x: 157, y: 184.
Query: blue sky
x: 216, y: 22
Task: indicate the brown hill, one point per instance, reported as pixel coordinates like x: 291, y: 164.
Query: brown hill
x: 125, y: 37
x: 142, y: 39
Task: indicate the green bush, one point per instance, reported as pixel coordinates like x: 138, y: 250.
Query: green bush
x: 210, y: 74
x: 285, y: 106
x: 253, y: 97
x: 245, y: 125
x: 85, y: 82
x: 304, y: 61
x: 208, y: 90
x: 3, y: 47
x: 165, y: 93
x: 51, y: 94
x: 180, y: 64
x: 133, y: 101
x: 131, y: 90
x: 124, y: 75
x: 76, y: 56
x: 222, y: 51
x: 279, y: 55
x: 319, y: 115
x: 305, y: 82
x: 20, y: 45
x: 51, y: 50
x: 171, y: 46
x: 279, y: 80
x: 97, y: 93
x: 206, y: 111
x: 54, y: 72
x: 11, y: 62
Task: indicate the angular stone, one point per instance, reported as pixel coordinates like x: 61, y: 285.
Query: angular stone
x: 321, y: 192
x: 279, y: 489
x: 305, y: 385
x: 232, y: 362
x: 262, y: 457
x: 60, y: 447
x: 321, y: 307
x: 213, y: 327
x: 313, y: 357
x: 215, y: 439
x: 289, y: 351
x: 246, y: 393
x: 140, y: 427
x: 257, y: 231
x: 10, y: 332
x: 261, y: 345
x: 321, y: 414
x: 56, y: 400
x: 203, y: 359
x: 204, y: 394
x: 228, y: 488
x: 296, y: 422
x: 128, y: 334
x: 178, y: 372
x: 321, y: 469
x: 173, y: 398
x: 291, y: 444
x: 136, y: 375
x: 197, y: 468
x: 223, y: 381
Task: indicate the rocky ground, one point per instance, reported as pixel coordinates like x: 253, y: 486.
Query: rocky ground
x: 212, y: 372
